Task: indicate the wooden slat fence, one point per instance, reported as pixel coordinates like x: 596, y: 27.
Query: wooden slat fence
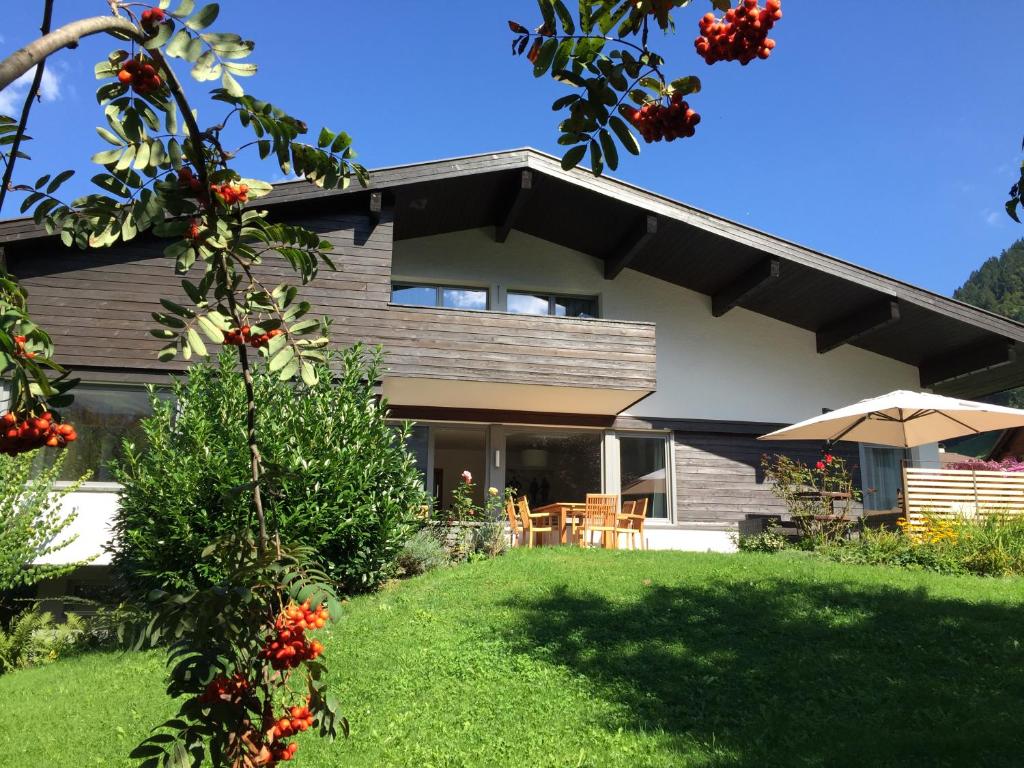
x: 950, y: 493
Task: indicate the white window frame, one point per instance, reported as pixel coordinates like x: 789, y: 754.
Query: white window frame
x: 670, y: 472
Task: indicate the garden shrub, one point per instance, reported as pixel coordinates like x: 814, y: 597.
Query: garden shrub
x: 31, y: 518
x: 989, y: 546
x: 767, y: 541
x: 819, y: 498
x: 338, y: 476
x: 421, y: 553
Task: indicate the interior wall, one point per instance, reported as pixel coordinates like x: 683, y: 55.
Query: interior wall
x: 742, y: 366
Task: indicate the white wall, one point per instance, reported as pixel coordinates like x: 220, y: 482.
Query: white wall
x: 742, y: 366
x: 91, y: 527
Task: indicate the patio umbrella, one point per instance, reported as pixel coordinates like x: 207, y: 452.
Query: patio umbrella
x: 903, y: 419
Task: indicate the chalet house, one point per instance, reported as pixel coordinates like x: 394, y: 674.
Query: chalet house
x: 553, y: 331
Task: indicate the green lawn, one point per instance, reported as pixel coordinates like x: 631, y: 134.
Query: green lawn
x: 591, y: 658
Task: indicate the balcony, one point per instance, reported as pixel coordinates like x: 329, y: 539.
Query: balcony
x: 458, y: 359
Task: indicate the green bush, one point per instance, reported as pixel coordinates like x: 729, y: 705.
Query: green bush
x: 338, y: 476
x: 768, y: 541
x: 422, y: 552
x: 31, y: 518
x: 990, y: 546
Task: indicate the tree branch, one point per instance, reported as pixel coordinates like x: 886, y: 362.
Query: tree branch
x: 22, y: 60
x: 30, y: 98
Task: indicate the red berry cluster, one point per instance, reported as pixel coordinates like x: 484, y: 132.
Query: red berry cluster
x: 290, y: 647
x: 741, y: 35
x: 151, y: 17
x: 238, y: 337
x: 19, y: 348
x: 281, y: 751
x: 230, y: 194
x: 656, y: 121
x: 225, y: 689
x: 140, y: 75
x: 27, y: 434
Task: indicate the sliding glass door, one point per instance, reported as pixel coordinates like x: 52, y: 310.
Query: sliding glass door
x: 549, y: 465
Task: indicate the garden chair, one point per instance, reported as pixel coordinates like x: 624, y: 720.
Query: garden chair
x: 515, y: 527
x: 599, y: 513
x: 631, y: 522
x: 534, y: 523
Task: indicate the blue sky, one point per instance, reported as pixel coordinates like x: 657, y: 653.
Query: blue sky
x: 886, y: 145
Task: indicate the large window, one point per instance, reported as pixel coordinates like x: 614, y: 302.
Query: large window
x: 548, y: 466
x: 549, y: 304
x: 451, y: 297
x: 644, y: 472
x: 103, y: 417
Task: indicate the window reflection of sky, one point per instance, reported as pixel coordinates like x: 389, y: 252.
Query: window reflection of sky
x: 455, y: 298
x: 526, y: 304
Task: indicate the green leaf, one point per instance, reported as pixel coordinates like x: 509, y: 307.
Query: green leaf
x: 686, y: 85
x: 107, y: 156
x: 213, y: 333
x: 572, y: 158
x: 289, y: 371
x: 178, y: 45
x: 596, y: 165
x: 196, y: 342
x: 565, y: 17
x: 545, y: 56
x: 611, y: 155
x: 185, y: 7
x: 231, y: 85
x: 204, y: 17
x: 282, y: 358
x: 626, y: 137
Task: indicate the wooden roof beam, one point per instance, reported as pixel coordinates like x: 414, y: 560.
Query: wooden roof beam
x: 858, y: 324
x: 511, y: 216
x: 634, y: 242
x: 754, y: 280
x: 964, y: 361
x: 376, y: 207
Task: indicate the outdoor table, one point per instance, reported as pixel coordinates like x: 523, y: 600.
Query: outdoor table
x: 563, y: 510
x: 566, y: 510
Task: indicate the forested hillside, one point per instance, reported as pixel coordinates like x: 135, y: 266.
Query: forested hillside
x: 998, y: 285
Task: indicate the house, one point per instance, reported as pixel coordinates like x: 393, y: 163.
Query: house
x: 556, y: 332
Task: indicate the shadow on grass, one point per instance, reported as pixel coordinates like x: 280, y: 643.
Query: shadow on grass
x: 795, y: 674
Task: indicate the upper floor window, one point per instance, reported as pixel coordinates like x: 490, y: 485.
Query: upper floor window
x: 451, y: 297
x: 549, y: 304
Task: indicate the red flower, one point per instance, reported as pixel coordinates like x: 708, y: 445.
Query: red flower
x: 820, y: 465
x: 828, y: 458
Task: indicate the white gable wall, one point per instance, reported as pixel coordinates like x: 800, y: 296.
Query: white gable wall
x: 743, y: 366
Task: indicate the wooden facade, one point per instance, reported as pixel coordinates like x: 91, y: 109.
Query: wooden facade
x: 719, y: 479
x: 97, y: 306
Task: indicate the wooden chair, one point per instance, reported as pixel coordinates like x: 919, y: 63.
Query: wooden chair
x: 515, y: 527
x: 599, y: 517
x: 624, y: 521
x: 534, y: 523
x: 631, y: 522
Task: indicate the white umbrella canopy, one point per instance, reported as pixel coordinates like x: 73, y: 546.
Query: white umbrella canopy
x: 904, y: 419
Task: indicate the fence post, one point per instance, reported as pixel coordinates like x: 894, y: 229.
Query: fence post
x: 974, y: 478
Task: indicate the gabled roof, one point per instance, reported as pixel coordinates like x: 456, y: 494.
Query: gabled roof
x: 959, y: 349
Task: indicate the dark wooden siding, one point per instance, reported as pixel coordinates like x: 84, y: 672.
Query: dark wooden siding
x: 719, y: 479
x: 97, y: 305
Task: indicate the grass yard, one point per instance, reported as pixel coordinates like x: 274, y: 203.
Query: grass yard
x: 592, y: 658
